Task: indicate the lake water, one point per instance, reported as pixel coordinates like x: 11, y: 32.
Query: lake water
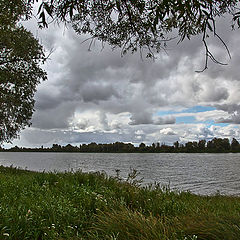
x: 198, y: 173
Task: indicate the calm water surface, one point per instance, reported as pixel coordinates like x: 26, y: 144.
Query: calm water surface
x: 198, y: 173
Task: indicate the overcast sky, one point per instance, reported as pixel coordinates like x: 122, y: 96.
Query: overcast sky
x: 99, y: 96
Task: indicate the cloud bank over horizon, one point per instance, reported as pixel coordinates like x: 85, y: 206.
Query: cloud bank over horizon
x: 98, y: 96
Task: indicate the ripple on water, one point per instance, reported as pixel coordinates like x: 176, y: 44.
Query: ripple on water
x: 198, y: 173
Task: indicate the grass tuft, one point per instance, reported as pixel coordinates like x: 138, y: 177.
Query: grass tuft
x: 125, y: 224
x: 94, y: 206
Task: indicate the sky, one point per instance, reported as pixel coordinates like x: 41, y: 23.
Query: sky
x: 95, y: 95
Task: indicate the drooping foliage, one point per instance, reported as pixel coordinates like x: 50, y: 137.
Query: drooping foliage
x: 141, y: 24
x: 21, y: 57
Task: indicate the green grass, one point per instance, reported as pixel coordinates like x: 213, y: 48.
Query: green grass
x: 93, y: 206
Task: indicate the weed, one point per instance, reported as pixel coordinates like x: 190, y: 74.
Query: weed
x: 94, y: 206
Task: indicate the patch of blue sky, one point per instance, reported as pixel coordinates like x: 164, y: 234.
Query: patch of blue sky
x: 220, y: 124
x: 209, y: 123
x: 194, y: 109
x: 192, y: 119
x: 165, y: 113
x: 199, y: 108
x: 185, y: 119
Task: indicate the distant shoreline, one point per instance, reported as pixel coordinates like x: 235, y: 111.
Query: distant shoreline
x: 25, y: 151
x: 216, y: 145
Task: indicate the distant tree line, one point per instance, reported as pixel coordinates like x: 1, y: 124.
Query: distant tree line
x: 216, y: 145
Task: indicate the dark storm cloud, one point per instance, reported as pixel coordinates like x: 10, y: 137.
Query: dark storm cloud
x: 89, y: 90
x: 144, y: 117
x: 234, y: 113
x: 141, y: 118
x: 54, y: 118
x: 36, y: 137
x: 95, y: 92
x: 234, y: 118
x: 47, y: 100
x: 216, y: 94
x: 230, y: 108
x: 231, y: 38
x: 165, y: 120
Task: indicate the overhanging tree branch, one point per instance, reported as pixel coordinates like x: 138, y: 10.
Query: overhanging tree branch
x: 141, y: 24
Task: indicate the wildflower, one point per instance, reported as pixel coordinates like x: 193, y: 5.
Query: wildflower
x: 29, y: 212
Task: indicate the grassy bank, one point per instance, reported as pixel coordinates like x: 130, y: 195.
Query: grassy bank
x: 94, y: 206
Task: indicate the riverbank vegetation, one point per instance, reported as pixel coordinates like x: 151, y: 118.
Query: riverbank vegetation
x: 216, y: 145
x: 94, y: 206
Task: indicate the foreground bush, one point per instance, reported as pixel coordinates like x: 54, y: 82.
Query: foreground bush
x: 93, y: 206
